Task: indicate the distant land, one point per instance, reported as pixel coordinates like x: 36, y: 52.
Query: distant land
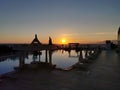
x: 101, y: 42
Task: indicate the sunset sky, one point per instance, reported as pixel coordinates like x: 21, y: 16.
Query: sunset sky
x: 83, y: 21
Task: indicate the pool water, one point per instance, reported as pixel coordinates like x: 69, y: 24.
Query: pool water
x: 62, y: 59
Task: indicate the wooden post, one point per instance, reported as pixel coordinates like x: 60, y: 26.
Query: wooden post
x: 69, y: 51
x: 80, y: 56
x: 86, y: 53
x: 46, y: 56
x: 39, y: 56
x: 50, y: 56
x: 21, y: 60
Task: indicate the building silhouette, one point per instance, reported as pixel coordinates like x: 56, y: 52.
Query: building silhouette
x: 50, y: 41
x: 35, y: 41
x: 119, y: 37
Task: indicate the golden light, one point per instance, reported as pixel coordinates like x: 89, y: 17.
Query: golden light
x: 63, y: 41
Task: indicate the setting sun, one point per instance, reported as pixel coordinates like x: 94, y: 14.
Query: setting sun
x: 63, y: 41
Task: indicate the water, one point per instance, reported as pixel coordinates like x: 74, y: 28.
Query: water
x: 61, y: 59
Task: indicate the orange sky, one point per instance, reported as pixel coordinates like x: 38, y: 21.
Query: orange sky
x: 56, y: 39
x: 80, y: 21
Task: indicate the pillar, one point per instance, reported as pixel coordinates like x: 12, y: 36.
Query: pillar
x: 46, y: 56
x: 21, y: 60
x: 80, y: 56
x: 50, y: 56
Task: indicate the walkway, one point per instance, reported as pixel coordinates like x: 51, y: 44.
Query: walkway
x: 103, y: 74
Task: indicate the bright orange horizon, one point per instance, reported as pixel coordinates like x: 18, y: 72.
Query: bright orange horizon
x: 58, y: 40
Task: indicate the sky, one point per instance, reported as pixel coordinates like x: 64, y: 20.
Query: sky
x: 80, y: 21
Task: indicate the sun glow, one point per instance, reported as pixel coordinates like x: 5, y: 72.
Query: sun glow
x: 63, y: 41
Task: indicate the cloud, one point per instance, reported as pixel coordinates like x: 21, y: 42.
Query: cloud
x: 104, y: 33
x: 100, y: 33
x: 70, y: 34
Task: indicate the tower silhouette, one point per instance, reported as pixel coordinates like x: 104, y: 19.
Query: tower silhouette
x: 50, y: 41
x: 119, y: 37
x: 36, y: 41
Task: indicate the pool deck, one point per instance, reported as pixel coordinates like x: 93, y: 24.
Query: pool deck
x: 102, y: 74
